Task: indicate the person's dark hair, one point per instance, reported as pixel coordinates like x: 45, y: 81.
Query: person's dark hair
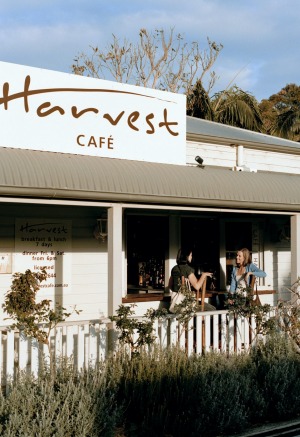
x: 247, y: 256
x: 183, y: 254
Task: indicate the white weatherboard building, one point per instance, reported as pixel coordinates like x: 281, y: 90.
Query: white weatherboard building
x: 77, y: 154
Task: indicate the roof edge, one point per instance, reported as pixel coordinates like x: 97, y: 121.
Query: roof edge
x: 138, y: 199
x: 249, y: 144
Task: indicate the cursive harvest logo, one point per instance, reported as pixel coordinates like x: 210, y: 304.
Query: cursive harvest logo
x: 46, y: 108
x: 79, y: 115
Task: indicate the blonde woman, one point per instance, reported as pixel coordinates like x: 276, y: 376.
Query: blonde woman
x: 244, y: 270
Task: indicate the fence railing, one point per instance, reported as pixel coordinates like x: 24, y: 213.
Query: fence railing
x: 87, y: 342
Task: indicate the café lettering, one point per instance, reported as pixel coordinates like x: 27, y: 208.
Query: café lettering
x: 133, y: 119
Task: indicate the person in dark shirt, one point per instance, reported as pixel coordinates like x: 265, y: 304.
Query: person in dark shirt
x: 183, y: 268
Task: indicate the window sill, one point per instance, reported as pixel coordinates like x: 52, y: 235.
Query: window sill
x: 146, y: 297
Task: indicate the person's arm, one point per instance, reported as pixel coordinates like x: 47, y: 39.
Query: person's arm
x: 254, y: 271
x: 233, y: 281
x: 197, y: 283
x: 170, y: 285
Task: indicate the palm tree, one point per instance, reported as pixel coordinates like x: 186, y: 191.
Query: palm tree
x: 232, y: 106
x: 284, y: 115
x: 198, y: 103
x: 237, y: 108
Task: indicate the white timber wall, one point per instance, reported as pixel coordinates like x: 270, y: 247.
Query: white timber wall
x: 6, y: 246
x: 89, y: 260
x: 89, y: 272
x: 226, y: 156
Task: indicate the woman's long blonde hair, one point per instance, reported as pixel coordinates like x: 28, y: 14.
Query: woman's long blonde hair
x: 247, y: 256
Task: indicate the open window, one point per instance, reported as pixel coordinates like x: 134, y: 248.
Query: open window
x: 147, y: 245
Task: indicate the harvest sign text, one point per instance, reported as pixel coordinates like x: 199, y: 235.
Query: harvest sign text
x: 65, y: 113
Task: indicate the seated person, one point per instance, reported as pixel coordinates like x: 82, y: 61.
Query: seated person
x: 183, y: 268
x: 244, y: 270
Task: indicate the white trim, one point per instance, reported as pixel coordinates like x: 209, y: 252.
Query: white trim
x: 295, y: 245
x: 195, y: 208
x: 141, y: 206
x: 55, y: 201
x: 116, y: 256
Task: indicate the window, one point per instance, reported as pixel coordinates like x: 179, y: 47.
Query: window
x: 147, y: 244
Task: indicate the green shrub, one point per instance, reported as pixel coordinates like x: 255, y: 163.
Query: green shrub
x: 171, y: 394
x: 278, y: 376
x: 34, y: 319
x: 176, y: 395
x: 67, y: 404
x: 165, y: 393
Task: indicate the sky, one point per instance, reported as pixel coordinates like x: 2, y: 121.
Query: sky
x: 260, y: 38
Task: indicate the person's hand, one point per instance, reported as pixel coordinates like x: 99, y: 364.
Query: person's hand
x: 247, y: 276
x: 207, y: 274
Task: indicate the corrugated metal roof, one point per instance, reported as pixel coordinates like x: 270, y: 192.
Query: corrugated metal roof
x: 38, y: 174
x: 218, y: 133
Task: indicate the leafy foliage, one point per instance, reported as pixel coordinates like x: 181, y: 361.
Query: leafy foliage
x: 242, y: 303
x: 232, y: 106
x: 198, y: 103
x: 238, y: 108
x: 164, y: 393
x: 34, y: 319
x: 287, y: 315
x: 283, y: 319
x: 62, y: 403
x: 186, y: 310
x: 134, y: 332
x: 281, y: 113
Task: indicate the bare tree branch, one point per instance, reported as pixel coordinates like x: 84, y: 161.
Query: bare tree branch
x: 159, y: 60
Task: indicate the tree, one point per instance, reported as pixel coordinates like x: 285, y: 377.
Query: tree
x: 268, y: 115
x: 158, y: 60
x: 34, y: 319
x: 237, y: 108
x: 166, y: 62
x: 199, y: 104
x: 281, y: 113
x: 232, y: 106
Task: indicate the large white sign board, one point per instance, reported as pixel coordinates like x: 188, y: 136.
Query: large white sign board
x: 45, y: 243
x: 59, y: 112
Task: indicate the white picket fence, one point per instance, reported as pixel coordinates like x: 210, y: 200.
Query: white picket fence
x: 87, y: 342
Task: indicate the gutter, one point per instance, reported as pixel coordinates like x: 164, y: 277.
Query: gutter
x: 97, y: 196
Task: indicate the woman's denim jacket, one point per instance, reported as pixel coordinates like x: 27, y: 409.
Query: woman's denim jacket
x: 249, y: 268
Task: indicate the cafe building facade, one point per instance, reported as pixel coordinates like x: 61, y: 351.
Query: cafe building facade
x: 101, y: 183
